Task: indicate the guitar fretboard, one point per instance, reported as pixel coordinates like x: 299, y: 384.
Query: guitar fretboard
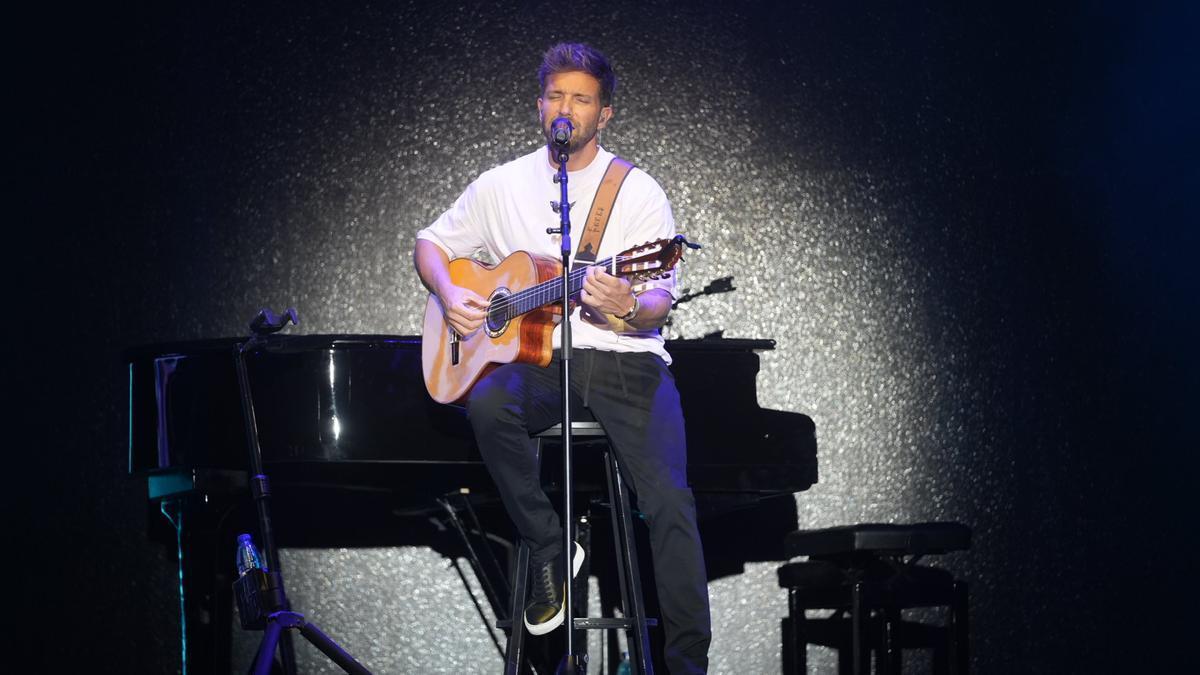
x: 544, y: 293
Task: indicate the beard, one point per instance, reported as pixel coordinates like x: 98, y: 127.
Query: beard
x: 580, y: 135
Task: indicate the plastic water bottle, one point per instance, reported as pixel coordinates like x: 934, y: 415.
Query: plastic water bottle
x: 247, y: 555
x: 625, y: 668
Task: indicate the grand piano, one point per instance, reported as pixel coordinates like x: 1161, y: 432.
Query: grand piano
x: 359, y: 455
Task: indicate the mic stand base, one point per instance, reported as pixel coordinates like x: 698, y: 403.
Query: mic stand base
x: 289, y: 620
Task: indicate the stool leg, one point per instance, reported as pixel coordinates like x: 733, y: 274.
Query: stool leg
x: 892, y: 622
x: 628, y: 573
x: 795, y: 646
x: 858, y: 625
x: 845, y: 657
x: 942, y: 639
x: 583, y: 536
x: 514, y: 652
x: 787, y: 646
x: 958, y: 630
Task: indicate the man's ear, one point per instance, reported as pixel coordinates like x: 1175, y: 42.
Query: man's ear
x: 606, y: 114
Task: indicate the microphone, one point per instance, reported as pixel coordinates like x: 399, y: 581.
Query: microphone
x: 560, y: 132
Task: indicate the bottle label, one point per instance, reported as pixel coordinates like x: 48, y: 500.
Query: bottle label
x: 247, y: 555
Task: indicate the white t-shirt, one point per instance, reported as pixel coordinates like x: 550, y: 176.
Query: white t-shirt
x: 508, y: 209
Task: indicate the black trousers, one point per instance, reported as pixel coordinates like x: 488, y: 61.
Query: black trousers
x: 634, y: 398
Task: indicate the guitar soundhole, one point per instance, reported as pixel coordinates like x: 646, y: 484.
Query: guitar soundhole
x: 497, y: 313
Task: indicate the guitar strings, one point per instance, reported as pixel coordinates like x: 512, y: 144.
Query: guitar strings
x: 547, y: 291
x: 540, y: 294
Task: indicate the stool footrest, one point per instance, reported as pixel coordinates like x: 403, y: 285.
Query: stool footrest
x: 606, y: 623
x: 591, y: 623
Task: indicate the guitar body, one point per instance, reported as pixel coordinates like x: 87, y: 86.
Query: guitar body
x: 524, y: 295
x: 522, y: 339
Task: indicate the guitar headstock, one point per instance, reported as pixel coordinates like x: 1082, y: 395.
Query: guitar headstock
x: 653, y: 259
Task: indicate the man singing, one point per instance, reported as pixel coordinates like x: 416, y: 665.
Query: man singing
x: 620, y: 366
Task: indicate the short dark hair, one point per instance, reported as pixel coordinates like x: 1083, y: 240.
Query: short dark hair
x: 566, y: 57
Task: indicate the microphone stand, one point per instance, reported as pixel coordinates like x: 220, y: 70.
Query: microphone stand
x: 570, y: 659
x: 262, y: 600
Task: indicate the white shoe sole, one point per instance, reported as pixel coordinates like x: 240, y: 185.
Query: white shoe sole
x: 556, y: 620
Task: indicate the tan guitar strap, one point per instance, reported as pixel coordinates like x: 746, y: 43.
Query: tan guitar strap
x: 593, y: 232
x: 602, y: 205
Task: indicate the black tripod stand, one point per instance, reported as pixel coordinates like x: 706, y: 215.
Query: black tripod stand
x: 262, y: 602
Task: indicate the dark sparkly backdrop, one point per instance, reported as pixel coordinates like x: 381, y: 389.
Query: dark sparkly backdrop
x: 969, y: 230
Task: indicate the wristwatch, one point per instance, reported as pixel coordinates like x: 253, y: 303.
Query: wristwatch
x: 628, y: 316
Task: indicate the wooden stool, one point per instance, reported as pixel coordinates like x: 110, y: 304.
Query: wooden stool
x: 635, y: 623
x: 871, y: 570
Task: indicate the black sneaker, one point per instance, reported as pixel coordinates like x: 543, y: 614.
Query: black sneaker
x: 544, y: 611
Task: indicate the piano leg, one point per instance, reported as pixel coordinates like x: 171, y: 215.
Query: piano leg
x: 461, y: 516
x: 205, y: 604
x: 795, y: 642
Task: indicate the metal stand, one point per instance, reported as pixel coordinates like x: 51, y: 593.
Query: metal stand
x: 572, y: 663
x: 267, y: 587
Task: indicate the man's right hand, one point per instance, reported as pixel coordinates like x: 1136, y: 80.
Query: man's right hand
x: 465, y: 310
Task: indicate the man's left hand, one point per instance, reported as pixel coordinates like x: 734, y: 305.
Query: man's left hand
x: 606, y: 293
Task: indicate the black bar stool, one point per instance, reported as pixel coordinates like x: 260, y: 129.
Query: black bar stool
x: 870, y: 572
x: 635, y: 623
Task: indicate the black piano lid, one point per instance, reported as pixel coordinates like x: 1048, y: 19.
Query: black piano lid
x: 334, y: 340
x: 280, y: 341
x: 721, y: 344
x: 734, y: 444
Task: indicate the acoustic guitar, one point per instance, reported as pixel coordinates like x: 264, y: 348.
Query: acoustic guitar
x: 524, y: 293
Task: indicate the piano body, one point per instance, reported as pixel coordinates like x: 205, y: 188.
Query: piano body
x: 358, y: 455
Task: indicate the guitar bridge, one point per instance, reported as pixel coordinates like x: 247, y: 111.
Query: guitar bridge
x: 453, y: 347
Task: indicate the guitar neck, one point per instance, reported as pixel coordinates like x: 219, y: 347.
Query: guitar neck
x: 545, y: 293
